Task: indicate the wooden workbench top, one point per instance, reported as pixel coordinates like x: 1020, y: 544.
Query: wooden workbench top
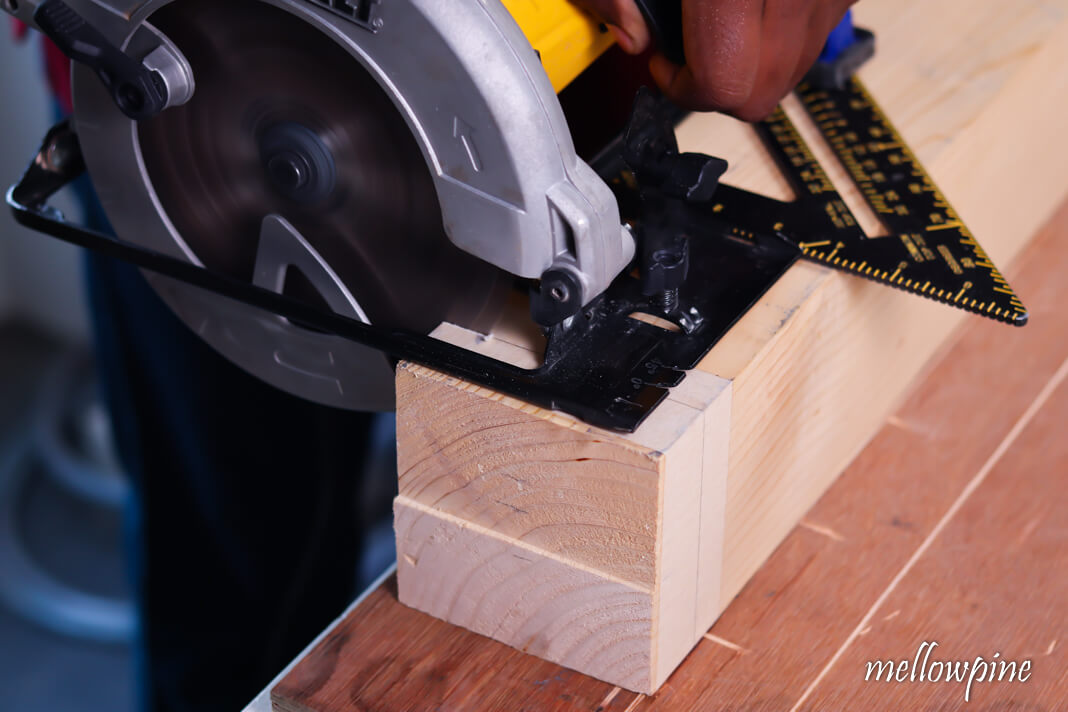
x: 950, y: 527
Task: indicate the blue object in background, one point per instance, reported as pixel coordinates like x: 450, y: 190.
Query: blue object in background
x: 841, y: 38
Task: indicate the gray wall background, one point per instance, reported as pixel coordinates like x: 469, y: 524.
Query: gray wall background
x: 40, y: 278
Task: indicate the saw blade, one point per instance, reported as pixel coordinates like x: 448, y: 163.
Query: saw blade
x: 285, y: 122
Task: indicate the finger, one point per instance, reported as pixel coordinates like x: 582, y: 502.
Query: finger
x: 820, y: 25
x: 723, y: 43
x: 625, y: 21
x: 782, y: 45
x: 795, y: 32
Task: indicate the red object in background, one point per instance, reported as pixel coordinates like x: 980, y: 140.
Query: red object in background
x: 57, y: 67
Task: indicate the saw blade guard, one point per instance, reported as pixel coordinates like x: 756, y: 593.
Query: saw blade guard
x: 484, y: 115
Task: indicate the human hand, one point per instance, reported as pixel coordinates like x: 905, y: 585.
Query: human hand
x: 742, y: 56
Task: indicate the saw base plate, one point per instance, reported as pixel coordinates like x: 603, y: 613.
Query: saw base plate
x: 604, y: 365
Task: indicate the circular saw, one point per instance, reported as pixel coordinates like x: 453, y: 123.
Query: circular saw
x: 313, y: 185
x: 399, y: 162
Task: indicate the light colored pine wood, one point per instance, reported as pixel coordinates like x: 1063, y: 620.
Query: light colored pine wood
x: 576, y: 512
x: 675, y: 519
x: 826, y: 356
x: 542, y: 604
x: 834, y: 568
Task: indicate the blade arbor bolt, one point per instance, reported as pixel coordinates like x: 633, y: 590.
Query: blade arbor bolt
x: 297, y: 162
x: 288, y: 170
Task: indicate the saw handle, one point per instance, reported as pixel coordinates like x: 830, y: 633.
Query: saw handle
x: 664, y: 18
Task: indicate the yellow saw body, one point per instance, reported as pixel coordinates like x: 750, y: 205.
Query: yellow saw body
x: 566, y: 38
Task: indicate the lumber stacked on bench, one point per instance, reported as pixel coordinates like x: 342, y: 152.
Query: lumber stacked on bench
x: 853, y: 583
x: 613, y: 554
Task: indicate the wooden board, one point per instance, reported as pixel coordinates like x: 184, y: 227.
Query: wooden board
x: 949, y: 526
x: 810, y: 375
x: 552, y: 536
x: 494, y: 492
x: 835, y: 575
x: 817, y: 367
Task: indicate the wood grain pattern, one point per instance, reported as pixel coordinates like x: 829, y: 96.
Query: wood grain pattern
x: 992, y: 584
x: 529, y: 478
x: 812, y: 372
x: 803, y: 364
x: 541, y: 605
x: 794, y: 615
x: 534, y: 494
x: 392, y: 657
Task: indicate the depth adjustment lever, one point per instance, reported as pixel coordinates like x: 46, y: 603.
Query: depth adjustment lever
x: 668, y: 181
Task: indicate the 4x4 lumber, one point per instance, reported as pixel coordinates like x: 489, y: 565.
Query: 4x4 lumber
x: 609, y: 553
